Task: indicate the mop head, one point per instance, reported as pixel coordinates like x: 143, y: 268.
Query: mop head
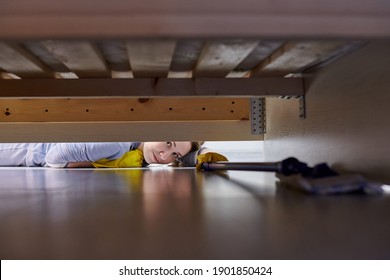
x: 322, y: 180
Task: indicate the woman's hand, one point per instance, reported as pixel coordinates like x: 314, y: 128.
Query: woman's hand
x: 209, y: 157
x: 133, y: 158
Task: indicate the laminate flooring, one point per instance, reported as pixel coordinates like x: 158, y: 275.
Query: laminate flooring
x: 178, y: 213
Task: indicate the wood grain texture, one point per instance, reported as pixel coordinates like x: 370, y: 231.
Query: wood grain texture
x: 263, y: 49
x: 81, y: 57
x: 218, y: 58
x: 115, y: 54
x: 127, y: 131
x: 150, y: 58
x: 129, y: 214
x: 36, y: 48
x: 186, y: 55
x: 16, y: 60
x: 295, y: 57
x: 123, y: 109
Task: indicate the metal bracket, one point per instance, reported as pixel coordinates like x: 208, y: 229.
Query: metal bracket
x: 302, y: 107
x: 302, y: 104
x: 257, y: 115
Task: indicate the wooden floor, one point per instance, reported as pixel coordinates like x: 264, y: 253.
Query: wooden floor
x: 165, y: 213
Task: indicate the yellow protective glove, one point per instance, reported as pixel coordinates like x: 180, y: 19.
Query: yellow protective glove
x: 133, y: 158
x: 209, y: 157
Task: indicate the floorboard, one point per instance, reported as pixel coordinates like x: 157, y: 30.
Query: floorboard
x: 167, y: 213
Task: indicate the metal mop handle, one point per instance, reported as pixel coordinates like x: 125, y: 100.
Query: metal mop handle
x: 286, y: 167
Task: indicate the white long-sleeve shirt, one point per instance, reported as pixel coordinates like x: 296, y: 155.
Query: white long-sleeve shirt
x: 59, y: 154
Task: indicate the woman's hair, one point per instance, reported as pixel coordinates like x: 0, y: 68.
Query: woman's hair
x: 196, y: 146
x: 190, y: 158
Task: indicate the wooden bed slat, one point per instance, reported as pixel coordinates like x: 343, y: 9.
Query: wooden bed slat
x: 186, y: 55
x: 218, y: 58
x: 81, y: 57
x: 115, y: 53
x: 294, y: 57
x: 14, y: 59
x: 150, y: 58
x: 263, y: 49
x: 39, y: 51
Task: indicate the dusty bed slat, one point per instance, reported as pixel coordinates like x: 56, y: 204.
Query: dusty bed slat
x: 38, y: 50
x: 81, y: 57
x: 294, y: 57
x: 15, y: 59
x: 186, y: 54
x: 115, y: 54
x: 218, y: 58
x: 150, y: 58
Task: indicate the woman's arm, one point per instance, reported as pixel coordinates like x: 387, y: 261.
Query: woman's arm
x: 64, y: 153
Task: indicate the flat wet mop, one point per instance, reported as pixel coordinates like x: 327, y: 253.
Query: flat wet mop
x: 320, y: 179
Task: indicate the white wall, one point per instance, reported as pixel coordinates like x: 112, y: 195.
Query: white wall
x: 236, y: 151
x: 348, y: 116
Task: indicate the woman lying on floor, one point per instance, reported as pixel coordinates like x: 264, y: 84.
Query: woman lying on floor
x: 116, y: 155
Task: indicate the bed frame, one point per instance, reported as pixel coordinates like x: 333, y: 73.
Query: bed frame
x: 162, y: 70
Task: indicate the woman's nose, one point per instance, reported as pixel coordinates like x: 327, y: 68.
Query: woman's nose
x: 164, y: 155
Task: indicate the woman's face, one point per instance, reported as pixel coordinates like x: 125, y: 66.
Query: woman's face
x: 164, y: 152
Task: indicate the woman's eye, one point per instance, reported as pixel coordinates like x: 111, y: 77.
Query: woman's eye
x: 175, y: 155
x: 169, y: 144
